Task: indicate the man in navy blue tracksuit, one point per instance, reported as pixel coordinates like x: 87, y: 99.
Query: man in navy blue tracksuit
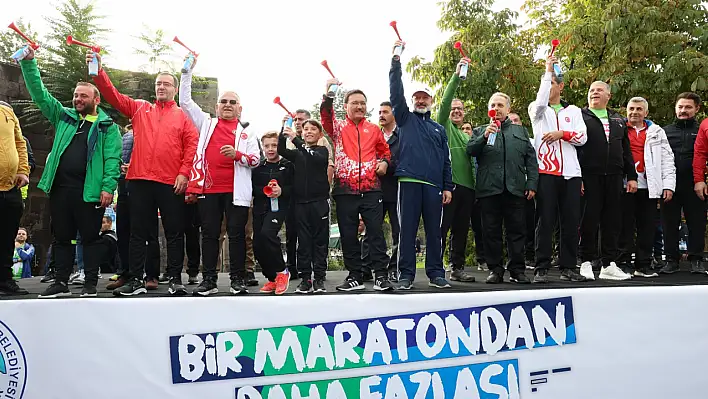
x: 424, y: 180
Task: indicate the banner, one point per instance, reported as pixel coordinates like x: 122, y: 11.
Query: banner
x: 642, y: 342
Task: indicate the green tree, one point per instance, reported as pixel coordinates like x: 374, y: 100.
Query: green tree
x: 157, y: 50
x: 11, y: 41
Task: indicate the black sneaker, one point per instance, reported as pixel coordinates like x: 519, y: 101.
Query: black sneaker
x: 530, y: 264
x: 382, y: 284
x: 572, y: 276
x: 697, y: 267
x: 89, y: 291
x: 193, y: 280
x: 554, y: 261
x: 10, y: 287
x: 48, y: 278
x: 657, y: 263
x: 132, y: 287
x: 519, y: 278
x: 393, y: 276
x: 305, y: 287
x: 238, y: 287
x: 645, y: 271
x: 495, y: 278
x: 163, y: 279
x: 318, y: 287
x: 251, y: 280
x: 540, y: 276
x: 176, y: 287
x: 206, y: 288
x: 350, y: 284
x: 56, y: 290
x: 461, y: 275
x: 671, y: 267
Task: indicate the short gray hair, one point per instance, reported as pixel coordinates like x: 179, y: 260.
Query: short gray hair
x: 639, y: 100
x: 607, y: 85
x: 500, y: 94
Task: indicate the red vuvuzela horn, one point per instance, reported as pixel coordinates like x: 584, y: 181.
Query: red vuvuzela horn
x: 554, y: 43
x: 277, y: 101
x: 458, y: 45
x: 324, y: 64
x: 493, y: 114
x: 176, y: 40
x: 31, y: 42
x: 70, y: 40
x: 395, y: 28
x: 268, y: 190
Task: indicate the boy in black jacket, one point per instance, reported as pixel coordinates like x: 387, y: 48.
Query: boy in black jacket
x: 109, y: 247
x: 275, y: 175
x: 310, y: 202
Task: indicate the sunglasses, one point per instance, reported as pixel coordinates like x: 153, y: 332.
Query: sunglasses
x: 225, y: 101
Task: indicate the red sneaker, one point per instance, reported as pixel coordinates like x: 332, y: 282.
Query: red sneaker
x: 269, y: 287
x: 282, y: 281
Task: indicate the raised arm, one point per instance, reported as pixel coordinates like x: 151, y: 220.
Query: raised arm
x: 446, y: 103
x: 50, y: 107
x: 397, y: 95
x: 539, y: 106
x: 327, y: 117
x: 124, y: 104
x: 283, y: 150
x: 188, y: 105
x: 318, y: 154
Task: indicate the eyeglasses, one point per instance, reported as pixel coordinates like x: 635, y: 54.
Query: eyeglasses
x: 225, y: 101
x: 458, y: 109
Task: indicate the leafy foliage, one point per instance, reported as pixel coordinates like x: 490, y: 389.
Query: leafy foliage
x: 157, y: 50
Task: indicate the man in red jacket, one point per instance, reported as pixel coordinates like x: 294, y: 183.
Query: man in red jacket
x: 165, y: 141
x: 700, y: 157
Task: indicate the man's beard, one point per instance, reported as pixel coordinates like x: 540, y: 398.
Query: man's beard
x: 88, y: 109
x: 422, y: 110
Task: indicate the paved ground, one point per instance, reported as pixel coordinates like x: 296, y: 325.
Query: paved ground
x: 420, y: 285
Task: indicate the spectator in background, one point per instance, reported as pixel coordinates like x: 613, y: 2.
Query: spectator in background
x: 24, y: 252
x: 108, y: 240
x: 389, y: 185
x: 515, y: 118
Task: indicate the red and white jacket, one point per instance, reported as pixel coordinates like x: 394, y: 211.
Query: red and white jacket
x: 244, y: 143
x: 560, y: 157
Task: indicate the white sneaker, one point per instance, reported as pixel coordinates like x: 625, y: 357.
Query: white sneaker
x: 80, y: 279
x: 612, y: 272
x: 73, y: 276
x: 586, y: 271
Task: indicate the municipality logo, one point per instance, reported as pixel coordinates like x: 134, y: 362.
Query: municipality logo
x: 13, y: 369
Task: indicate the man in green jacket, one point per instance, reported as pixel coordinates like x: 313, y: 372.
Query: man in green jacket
x: 80, y: 175
x: 456, y: 214
x: 506, y: 178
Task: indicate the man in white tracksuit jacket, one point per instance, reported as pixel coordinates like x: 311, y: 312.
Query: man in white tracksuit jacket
x: 221, y: 180
x: 558, y: 128
x: 656, y: 180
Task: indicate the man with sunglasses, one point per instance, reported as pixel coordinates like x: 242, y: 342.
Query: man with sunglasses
x: 221, y: 177
x: 163, y: 150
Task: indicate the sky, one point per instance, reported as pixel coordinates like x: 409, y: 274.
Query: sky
x: 263, y: 49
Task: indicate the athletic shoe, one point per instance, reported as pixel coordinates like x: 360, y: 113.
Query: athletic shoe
x: 393, y: 276
x: 318, y: 287
x: 10, y: 287
x: 305, y: 287
x: 586, y: 271
x: 612, y: 272
x: 461, y: 275
x: 572, y: 276
x: 282, y: 282
x: 404, y: 284
x: 79, y: 278
x: 438, y: 282
x: 164, y: 279
x: 48, y: 278
x: 697, y: 267
x: 251, y: 280
x: 238, y: 287
x: 206, y: 288
x: 72, y: 276
x: 268, y: 287
x: 482, y: 267
x: 120, y: 281
x: 114, y: 277
x: 554, y: 261
x: 519, y: 278
x: 540, y: 276
x: 350, y: 284
x: 495, y: 278
x: 645, y: 272
x: 530, y: 264
x: 100, y: 276
x: 671, y: 267
x: 192, y: 280
x: 130, y: 288
x: 151, y: 284
x: 382, y: 284
x: 56, y: 290
x: 89, y: 291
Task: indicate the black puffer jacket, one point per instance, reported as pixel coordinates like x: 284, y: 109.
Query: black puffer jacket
x: 600, y: 157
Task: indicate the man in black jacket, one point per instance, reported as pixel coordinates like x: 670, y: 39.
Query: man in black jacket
x: 605, y: 160
x: 682, y: 136
x: 389, y: 183
x: 311, y: 203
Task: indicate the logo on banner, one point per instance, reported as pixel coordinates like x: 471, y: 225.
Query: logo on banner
x: 13, y: 370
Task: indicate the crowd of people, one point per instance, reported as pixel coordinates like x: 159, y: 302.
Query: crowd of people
x: 594, y: 179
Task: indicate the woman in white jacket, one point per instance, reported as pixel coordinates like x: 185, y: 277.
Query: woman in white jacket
x: 656, y: 171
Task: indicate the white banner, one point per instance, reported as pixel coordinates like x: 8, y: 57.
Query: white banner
x: 645, y: 342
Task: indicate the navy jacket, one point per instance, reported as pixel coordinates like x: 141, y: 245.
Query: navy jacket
x: 389, y: 181
x: 423, y: 152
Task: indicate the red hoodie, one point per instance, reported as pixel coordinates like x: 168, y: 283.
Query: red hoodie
x: 165, y: 140
x: 700, y: 153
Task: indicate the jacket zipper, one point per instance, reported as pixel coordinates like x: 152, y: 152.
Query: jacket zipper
x: 560, y: 145
x: 358, y: 139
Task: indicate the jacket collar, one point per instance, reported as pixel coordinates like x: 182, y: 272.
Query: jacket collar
x: 685, y: 123
x: 102, y: 115
x: 166, y: 104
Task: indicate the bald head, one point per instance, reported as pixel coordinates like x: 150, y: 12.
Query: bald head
x: 229, y: 106
x: 599, y: 95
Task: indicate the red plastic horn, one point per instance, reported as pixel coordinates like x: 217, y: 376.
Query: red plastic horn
x: 554, y: 43
x: 176, y: 40
x: 31, y: 42
x: 324, y: 64
x: 70, y: 40
x: 493, y: 114
x: 277, y: 101
x: 458, y: 45
x: 395, y: 28
x: 267, y: 190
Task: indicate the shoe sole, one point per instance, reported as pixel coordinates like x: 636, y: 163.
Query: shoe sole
x: 59, y: 295
x: 462, y: 280
x: 238, y: 292
x: 207, y: 292
x: 439, y: 286
x: 515, y: 281
x: 266, y: 292
x: 319, y: 291
x: 302, y: 292
x: 136, y: 292
x: 192, y: 282
x: 699, y: 272
x: 78, y: 282
x: 640, y: 274
x: 378, y: 288
x: 177, y: 292
x: 357, y: 288
x: 541, y: 281
x: 47, y: 282
x: 89, y: 295
x: 615, y: 278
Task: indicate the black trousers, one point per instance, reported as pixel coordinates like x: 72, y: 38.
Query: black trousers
x: 391, y: 208
x: 70, y: 214
x: 152, y: 260
x: 509, y: 210
x: 212, y: 209
x: 531, y: 221
x: 557, y: 197
x: 10, y: 214
x: 291, y: 241
x: 476, y: 222
x: 456, y: 216
x: 694, y: 211
x: 146, y: 197
x: 370, y: 207
x: 638, y: 212
x: 192, y: 224
x: 266, y: 243
x: 313, y: 238
x: 603, y: 199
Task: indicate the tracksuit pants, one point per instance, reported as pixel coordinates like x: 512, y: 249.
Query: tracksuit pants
x: 414, y: 200
x: 266, y: 243
x: 370, y: 206
x: 530, y: 233
x: 638, y: 212
x: 152, y: 260
x: 476, y: 222
x: 291, y: 241
x: 456, y: 217
x: 694, y: 211
x: 10, y: 214
x: 313, y: 238
x: 603, y: 199
x: 557, y: 197
x: 509, y: 210
x: 192, y: 224
x: 212, y: 209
